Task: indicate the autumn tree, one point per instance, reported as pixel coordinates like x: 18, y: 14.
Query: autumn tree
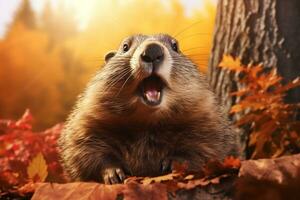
x: 31, y: 76
x: 44, y: 66
x: 59, y: 24
x: 48, y: 23
x: 264, y: 32
x: 25, y: 16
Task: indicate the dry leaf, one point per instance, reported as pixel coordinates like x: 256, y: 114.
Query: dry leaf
x: 27, y: 188
x: 37, y: 169
x: 232, y: 162
x: 232, y: 64
x: 236, y: 108
x: 189, y: 177
x: 160, y: 179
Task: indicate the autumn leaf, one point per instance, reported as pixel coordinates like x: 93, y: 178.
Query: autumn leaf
x: 193, y: 183
x: 189, y: 177
x: 25, y: 121
x: 228, y: 62
x: 293, y: 84
x: 254, y: 71
x: 261, y: 108
x: 37, y: 169
x: 239, y: 93
x: 236, y: 108
x: 27, y: 188
x: 232, y: 162
x: 160, y: 179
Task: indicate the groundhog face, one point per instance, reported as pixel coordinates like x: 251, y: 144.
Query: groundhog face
x: 152, y: 74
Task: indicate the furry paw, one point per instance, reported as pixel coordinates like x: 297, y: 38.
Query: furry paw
x: 113, y: 175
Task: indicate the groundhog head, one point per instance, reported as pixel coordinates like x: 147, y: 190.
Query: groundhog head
x: 150, y: 75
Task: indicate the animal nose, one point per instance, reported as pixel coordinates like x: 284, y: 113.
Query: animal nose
x: 153, y: 53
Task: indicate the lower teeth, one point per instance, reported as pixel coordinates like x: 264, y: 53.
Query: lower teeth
x: 152, y: 96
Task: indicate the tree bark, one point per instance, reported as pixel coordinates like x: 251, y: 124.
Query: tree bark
x: 256, y: 31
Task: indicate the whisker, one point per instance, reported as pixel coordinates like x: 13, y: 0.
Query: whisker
x: 198, y: 58
x: 196, y: 34
x: 193, y: 48
x: 96, y: 59
x: 197, y: 54
x: 117, y: 78
x: 124, y: 83
x: 187, y: 28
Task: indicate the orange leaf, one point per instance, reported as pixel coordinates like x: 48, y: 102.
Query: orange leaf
x: 27, y: 188
x: 240, y: 92
x: 159, y: 179
x: 228, y: 62
x: 236, y: 108
x: 232, y: 162
x: 290, y: 85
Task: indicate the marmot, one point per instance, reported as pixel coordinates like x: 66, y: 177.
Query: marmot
x: 146, y: 107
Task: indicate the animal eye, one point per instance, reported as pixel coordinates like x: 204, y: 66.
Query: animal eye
x: 125, y: 47
x: 174, y: 46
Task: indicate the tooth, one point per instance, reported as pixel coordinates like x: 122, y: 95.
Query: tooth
x: 153, y: 96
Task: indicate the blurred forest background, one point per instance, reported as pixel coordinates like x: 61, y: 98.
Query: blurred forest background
x: 49, y: 49
x: 47, y: 57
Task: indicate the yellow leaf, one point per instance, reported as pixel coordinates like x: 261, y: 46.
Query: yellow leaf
x: 37, y: 169
x: 228, y: 62
x: 160, y: 179
x: 189, y: 177
x: 236, y: 108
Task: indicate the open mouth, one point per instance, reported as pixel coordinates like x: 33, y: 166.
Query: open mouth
x: 151, y: 90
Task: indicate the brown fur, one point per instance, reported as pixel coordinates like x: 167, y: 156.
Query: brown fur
x: 111, y: 127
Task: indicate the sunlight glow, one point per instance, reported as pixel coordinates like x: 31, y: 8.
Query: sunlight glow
x: 69, y: 39
x: 83, y: 9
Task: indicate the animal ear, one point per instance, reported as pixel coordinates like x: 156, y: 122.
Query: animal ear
x: 109, y: 55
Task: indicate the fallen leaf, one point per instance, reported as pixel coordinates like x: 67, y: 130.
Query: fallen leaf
x: 232, y: 162
x: 27, y: 188
x: 160, y: 179
x: 189, y: 177
x: 37, y: 169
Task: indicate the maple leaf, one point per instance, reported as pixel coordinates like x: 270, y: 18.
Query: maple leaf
x: 37, y: 169
x: 228, y: 62
x: 260, y: 104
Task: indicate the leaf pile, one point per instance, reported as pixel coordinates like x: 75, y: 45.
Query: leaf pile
x: 27, y: 156
x: 143, y: 187
x: 270, y: 122
x: 37, y: 169
x: 212, y: 173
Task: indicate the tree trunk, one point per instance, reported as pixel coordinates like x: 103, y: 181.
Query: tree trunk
x: 257, y: 31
